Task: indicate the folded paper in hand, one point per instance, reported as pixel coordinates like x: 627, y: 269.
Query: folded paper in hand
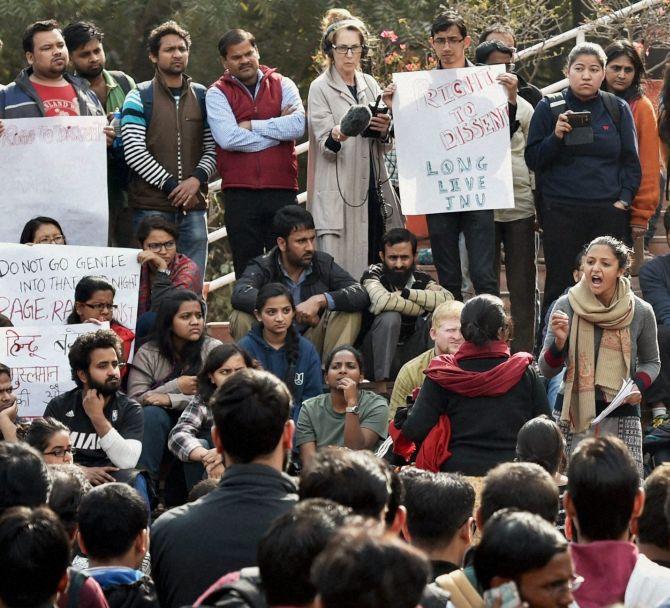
x: 627, y: 387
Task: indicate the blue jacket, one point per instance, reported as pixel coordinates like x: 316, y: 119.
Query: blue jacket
x: 606, y: 170
x: 308, y: 377
x: 20, y: 100
x: 655, y: 285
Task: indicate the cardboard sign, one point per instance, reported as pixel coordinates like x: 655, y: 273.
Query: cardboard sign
x: 37, y: 282
x: 38, y: 359
x: 452, y: 140
x: 55, y: 167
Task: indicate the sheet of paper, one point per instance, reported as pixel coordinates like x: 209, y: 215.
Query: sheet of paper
x: 627, y: 387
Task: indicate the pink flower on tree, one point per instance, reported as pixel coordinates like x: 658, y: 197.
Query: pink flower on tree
x: 390, y: 35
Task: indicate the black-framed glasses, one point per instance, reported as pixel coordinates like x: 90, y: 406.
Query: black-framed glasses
x: 343, y: 49
x: 51, y: 240
x: 450, y: 40
x: 60, y: 452
x: 156, y: 247
x: 101, y: 307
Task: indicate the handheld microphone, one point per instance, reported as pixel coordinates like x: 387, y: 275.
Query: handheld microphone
x: 355, y: 121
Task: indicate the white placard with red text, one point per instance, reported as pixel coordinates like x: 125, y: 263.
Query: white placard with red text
x: 38, y: 359
x: 452, y: 140
x: 55, y: 167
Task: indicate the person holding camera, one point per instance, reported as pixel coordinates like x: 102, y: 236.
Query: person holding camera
x: 583, y: 149
x: 348, y: 191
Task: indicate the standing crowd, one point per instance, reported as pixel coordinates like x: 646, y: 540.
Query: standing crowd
x: 273, y: 471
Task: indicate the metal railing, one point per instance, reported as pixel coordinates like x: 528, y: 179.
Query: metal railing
x: 577, y: 33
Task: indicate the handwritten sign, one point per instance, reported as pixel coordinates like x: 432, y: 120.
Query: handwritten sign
x: 38, y: 359
x: 37, y: 282
x: 55, y: 167
x: 452, y: 141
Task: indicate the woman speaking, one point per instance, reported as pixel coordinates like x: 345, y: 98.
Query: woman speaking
x: 348, y: 191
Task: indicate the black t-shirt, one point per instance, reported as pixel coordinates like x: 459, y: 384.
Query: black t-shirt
x: 124, y: 414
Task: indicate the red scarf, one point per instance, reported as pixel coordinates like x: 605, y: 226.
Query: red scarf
x: 494, y: 382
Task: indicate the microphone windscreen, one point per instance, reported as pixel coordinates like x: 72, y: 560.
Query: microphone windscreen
x: 355, y: 121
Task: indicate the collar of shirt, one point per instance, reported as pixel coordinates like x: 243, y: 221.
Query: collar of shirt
x: 294, y: 286
x: 258, y: 81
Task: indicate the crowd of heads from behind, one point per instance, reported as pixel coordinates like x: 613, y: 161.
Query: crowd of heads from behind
x: 372, y: 431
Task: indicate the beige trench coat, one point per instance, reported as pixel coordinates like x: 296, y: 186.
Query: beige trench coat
x: 341, y: 228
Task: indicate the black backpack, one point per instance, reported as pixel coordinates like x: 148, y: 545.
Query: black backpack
x: 122, y: 79
x: 245, y: 592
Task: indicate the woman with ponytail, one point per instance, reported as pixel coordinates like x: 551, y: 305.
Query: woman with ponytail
x: 473, y: 403
x: 276, y: 344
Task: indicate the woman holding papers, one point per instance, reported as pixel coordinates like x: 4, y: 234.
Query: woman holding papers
x: 605, y: 335
x: 348, y: 191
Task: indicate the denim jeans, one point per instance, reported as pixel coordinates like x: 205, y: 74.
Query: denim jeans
x: 192, y: 232
x: 479, y: 230
x: 158, y: 423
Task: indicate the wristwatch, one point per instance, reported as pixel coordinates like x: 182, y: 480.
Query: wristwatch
x: 165, y: 271
x: 352, y: 410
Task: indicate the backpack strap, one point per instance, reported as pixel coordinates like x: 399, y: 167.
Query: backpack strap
x: 122, y: 79
x: 200, y: 92
x: 146, y: 91
x: 77, y: 581
x: 557, y: 104
x: 613, y: 109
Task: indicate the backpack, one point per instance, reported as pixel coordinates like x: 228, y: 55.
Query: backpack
x: 122, y: 79
x: 146, y: 91
x: 558, y: 105
x: 245, y: 592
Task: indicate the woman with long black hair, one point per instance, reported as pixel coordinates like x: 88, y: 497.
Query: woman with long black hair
x: 163, y: 375
x: 190, y: 440
x: 624, y: 76
x: 276, y: 344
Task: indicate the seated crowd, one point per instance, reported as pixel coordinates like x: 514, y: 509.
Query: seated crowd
x: 273, y: 470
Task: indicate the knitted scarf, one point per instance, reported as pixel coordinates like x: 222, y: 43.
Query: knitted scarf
x: 445, y: 371
x: 583, y: 374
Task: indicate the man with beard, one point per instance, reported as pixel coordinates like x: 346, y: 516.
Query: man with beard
x: 328, y: 301
x: 402, y: 299
x: 105, y: 425
x: 44, y: 88
x: 256, y: 115
x: 168, y: 144
x: 84, y: 44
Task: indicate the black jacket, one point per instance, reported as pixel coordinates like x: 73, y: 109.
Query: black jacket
x: 483, y: 429
x: 195, y: 544
x: 326, y: 277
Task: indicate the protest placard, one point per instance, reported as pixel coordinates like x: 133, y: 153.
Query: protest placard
x: 452, y: 140
x: 38, y: 359
x: 37, y: 282
x: 56, y: 167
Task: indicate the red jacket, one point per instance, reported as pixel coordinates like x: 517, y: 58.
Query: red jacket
x: 275, y: 167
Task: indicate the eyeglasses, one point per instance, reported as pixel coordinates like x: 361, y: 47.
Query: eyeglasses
x: 560, y: 587
x: 343, y: 49
x: 450, y: 41
x: 101, y: 307
x: 51, y: 240
x: 156, y: 247
x: 60, y: 452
